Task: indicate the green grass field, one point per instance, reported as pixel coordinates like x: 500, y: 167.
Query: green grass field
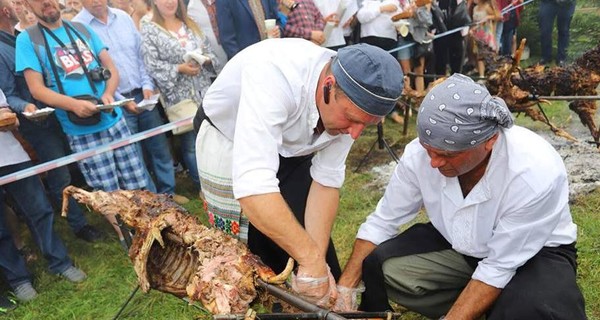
x: 112, y: 279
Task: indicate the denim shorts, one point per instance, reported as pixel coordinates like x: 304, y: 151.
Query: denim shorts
x: 404, y: 54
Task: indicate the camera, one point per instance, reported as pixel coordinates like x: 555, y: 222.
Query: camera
x: 100, y: 74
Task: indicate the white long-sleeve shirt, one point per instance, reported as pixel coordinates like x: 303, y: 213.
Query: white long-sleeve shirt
x: 327, y: 7
x: 373, y: 22
x: 12, y: 151
x: 519, y: 206
x: 264, y: 101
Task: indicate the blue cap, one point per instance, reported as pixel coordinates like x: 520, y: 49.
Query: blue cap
x: 369, y: 76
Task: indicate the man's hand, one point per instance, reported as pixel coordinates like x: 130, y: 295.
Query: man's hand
x: 84, y: 109
x: 131, y: 107
x: 8, y: 120
x: 388, y: 8
x: 317, y: 37
x: 319, y: 290
x: 30, y: 107
x: 107, y: 98
x: 148, y: 93
x: 347, y: 300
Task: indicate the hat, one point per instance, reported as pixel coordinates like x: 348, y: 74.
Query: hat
x: 459, y: 114
x: 369, y: 76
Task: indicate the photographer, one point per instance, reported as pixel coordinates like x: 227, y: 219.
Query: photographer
x: 67, y: 67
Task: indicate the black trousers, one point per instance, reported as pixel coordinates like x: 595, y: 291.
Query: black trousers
x: 543, y: 288
x: 294, y: 184
x: 449, y: 50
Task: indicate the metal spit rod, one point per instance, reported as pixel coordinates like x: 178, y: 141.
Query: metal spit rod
x: 299, y: 302
x: 565, y: 98
x: 289, y: 316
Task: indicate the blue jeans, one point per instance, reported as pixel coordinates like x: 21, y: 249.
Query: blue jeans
x: 506, y: 41
x: 156, y: 149
x: 549, y: 11
x: 499, y: 28
x: 188, y: 151
x: 32, y: 203
x: 49, y: 144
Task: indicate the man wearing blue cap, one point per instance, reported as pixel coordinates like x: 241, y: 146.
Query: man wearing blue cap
x: 501, y: 239
x: 280, y: 121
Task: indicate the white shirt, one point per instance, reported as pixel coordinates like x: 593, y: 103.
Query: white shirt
x: 327, y: 7
x: 519, y: 206
x: 198, y: 13
x: 264, y: 101
x: 373, y: 22
x: 12, y: 151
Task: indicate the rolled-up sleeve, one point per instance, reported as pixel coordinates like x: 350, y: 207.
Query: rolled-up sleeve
x: 523, y: 230
x: 329, y: 165
x: 400, y: 203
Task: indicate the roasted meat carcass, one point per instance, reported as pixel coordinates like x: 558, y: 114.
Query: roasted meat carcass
x: 517, y: 86
x: 172, y: 252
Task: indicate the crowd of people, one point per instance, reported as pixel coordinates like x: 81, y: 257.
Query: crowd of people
x: 275, y: 121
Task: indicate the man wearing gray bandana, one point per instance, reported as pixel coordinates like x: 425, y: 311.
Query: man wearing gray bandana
x: 500, y: 241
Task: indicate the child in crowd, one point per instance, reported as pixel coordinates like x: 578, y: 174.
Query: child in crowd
x: 485, y: 14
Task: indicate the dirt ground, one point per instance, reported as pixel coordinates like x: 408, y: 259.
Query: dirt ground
x: 582, y: 161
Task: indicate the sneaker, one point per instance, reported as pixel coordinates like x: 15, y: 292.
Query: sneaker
x: 7, y: 304
x: 561, y: 63
x: 179, y: 199
x: 73, y: 274
x: 88, y: 233
x: 25, y: 292
x: 178, y: 168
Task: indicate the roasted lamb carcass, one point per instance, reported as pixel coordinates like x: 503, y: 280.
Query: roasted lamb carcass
x: 172, y: 252
x: 516, y: 86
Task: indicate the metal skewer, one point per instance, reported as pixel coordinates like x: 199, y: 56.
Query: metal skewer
x: 288, y: 316
x: 566, y: 98
x: 299, y: 302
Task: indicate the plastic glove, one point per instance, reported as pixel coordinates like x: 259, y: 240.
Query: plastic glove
x: 320, y: 291
x: 347, y: 300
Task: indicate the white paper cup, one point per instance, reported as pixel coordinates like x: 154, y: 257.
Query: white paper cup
x: 269, y: 25
x: 402, y: 27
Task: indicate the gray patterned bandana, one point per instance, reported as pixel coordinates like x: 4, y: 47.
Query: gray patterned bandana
x: 459, y: 114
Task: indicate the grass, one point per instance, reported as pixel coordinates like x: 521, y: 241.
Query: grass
x: 112, y: 279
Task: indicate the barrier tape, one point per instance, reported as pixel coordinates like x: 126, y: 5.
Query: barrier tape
x: 47, y: 166
x: 443, y: 34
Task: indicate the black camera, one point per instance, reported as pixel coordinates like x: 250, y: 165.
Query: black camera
x: 100, y: 74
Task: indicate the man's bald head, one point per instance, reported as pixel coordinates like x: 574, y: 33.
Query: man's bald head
x: 8, y: 16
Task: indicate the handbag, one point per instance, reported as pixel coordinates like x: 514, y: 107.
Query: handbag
x: 87, y: 121
x: 184, y: 109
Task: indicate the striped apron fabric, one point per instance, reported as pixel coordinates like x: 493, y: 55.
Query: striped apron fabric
x: 224, y: 212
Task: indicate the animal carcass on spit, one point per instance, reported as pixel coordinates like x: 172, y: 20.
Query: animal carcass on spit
x: 172, y: 252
